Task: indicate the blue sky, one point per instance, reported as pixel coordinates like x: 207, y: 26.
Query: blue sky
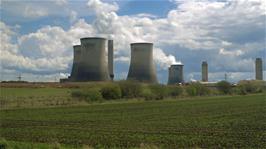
x: 37, y: 35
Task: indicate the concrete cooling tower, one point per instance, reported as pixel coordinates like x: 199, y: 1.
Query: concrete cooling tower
x: 111, y: 59
x: 204, y: 71
x: 258, y: 67
x: 93, y: 66
x: 141, y: 64
x: 76, y: 62
x: 175, y: 75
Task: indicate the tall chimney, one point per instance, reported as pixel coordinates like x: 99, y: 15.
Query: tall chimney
x: 111, y: 59
x: 258, y: 67
x: 204, y: 71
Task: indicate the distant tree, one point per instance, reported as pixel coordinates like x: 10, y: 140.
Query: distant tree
x: 224, y: 87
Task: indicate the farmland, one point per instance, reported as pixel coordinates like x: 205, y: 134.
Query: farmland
x: 205, y: 122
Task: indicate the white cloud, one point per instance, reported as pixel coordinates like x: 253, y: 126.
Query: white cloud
x: 122, y: 59
x: 34, y: 12
x: 100, y: 7
x: 46, y: 51
x: 61, y: 2
x: 222, y: 51
x: 35, y: 9
x: 232, y: 33
x: 73, y: 16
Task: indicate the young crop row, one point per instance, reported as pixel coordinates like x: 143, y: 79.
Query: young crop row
x: 212, y: 122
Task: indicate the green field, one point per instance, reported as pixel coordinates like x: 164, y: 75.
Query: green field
x: 205, y: 122
x: 13, y: 98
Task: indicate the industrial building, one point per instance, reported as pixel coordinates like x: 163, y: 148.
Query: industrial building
x: 175, y: 74
x: 141, y: 66
x: 111, y: 59
x: 90, y: 61
x: 76, y: 63
x: 258, y: 69
x: 93, y: 61
x: 93, y: 66
x: 204, y: 71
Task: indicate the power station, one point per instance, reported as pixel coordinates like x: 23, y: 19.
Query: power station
x: 141, y: 66
x: 175, y: 74
x: 90, y: 61
x: 204, y: 71
x: 93, y: 65
x: 258, y: 69
x: 93, y: 61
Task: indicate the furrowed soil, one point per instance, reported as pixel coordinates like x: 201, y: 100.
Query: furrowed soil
x: 205, y: 122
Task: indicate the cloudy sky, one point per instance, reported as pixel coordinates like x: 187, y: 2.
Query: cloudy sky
x: 37, y: 35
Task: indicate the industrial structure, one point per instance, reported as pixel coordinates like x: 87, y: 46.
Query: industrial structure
x: 142, y: 67
x: 76, y: 63
x: 258, y: 69
x: 175, y: 75
x: 91, y: 62
x: 93, y: 66
x: 204, y: 71
x: 111, y: 59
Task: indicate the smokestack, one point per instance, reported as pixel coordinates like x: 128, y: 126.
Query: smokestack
x: 111, y: 58
x: 175, y: 74
x: 76, y: 62
x: 94, y: 65
x: 204, y: 71
x: 141, y: 64
x: 258, y: 67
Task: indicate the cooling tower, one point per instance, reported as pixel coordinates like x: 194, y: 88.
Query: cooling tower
x: 175, y: 74
x: 110, y: 59
x: 76, y: 62
x: 141, y: 64
x: 93, y: 66
x: 258, y: 67
x: 204, y: 71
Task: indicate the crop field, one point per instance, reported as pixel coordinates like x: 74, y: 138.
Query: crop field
x: 204, y: 122
x: 24, y: 97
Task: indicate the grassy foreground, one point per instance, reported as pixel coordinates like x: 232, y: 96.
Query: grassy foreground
x: 207, y: 122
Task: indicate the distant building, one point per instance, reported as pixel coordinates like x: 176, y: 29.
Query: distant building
x: 258, y: 69
x: 175, y: 74
x: 204, y: 71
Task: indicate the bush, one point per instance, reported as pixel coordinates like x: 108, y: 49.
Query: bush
x: 89, y: 94
x: 77, y: 94
x: 159, y: 91
x: 111, y: 91
x: 197, y: 89
x: 130, y: 89
x: 224, y: 87
x: 174, y: 91
x: 3, y: 143
x: 254, y: 86
x: 147, y: 94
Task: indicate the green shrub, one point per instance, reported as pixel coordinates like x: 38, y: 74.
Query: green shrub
x: 88, y: 94
x: 253, y: 86
x: 77, y: 94
x: 224, y: 87
x: 174, y: 91
x: 197, y: 89
x: 130, y: 89
x: 147, y: 94
x: 159, y: 91
x: 111, y: 91
x: 3, y: 143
